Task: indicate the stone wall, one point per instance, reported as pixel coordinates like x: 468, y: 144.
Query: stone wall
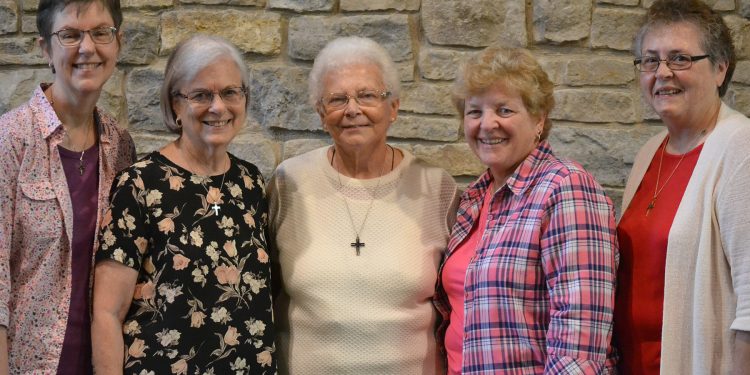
x: 600, y: 119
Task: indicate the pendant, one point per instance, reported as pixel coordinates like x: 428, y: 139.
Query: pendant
x: 81, y: 168
x: 216, y: 208
x: 650, y: 206
x: 357, y: 244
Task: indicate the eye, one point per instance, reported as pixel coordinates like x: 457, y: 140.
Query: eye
x: 367, y: 95
x: 680, y: 59
x: 473, y: 113
x: 101, y: 33
x: 336, y: 100
x: 505, y: 112
x: 232, y: 93
x: 201, y: 96
x: 69, y: 35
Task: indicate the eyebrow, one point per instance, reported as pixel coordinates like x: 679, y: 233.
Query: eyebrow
x: 671, y: 52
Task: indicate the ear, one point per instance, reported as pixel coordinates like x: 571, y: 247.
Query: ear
x: 721, y: 72
x: 120, y: 37
x: 45, y: 48
x: 539, y: 127
x: 395, y: 104
x: 322, y: 114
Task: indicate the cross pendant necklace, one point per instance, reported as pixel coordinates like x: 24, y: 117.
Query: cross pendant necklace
x: 215, y: 203
x: 357, y: 244
x: 650, y: 206
x: 658, y: 190
x: 216, y: 208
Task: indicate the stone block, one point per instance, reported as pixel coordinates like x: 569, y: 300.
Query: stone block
x: 720, y: 5
x: 405, y: 71
x: 296, y: 147
x: 744, y: 8
x: 142, y: 94
x: 738, y: 97
x: 559, y: 21
x: 140, y: 39
x: 309, y: 34
x: 225, y: 2
x: 257, y: 149
x: 740, y: 28
x: 594, y: 105
x: 21, y: 50
x: 251, y: 31
x: 742, y: 73
x: 574, y: 70
x: 647, y: 112
x: 619, y: 2
x: 141, y: 4
x: 440, y: 63
x: 302, y: 5
x: 615, y: 28
x: 18, y: 85
x: 29, y: 5
x: 427, y: 98
x: 425, y: 128
x: 8, y: 16
x: 366, y: 5
x: 112, y: 100
x: 456, y: 158
x: 278, y: 97
x: 147, y: 142
x: 28, y: 24
x: 476, y: 23
x: 607, y: 152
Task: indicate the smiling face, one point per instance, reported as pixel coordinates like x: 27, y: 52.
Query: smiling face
x: 355, y: 126
x: 83, y: 69
x: 500, y: 131
x: 681, y: 97
x: 215, y: 125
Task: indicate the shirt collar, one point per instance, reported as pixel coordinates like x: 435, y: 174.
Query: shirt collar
x: 52, y: 123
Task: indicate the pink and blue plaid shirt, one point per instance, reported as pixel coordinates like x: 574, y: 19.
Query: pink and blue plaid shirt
x: 539, y: 293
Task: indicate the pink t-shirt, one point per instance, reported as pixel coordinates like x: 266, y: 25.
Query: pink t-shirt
x: 454, y: 274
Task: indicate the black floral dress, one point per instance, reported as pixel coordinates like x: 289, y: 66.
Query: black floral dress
x: 202, y: 302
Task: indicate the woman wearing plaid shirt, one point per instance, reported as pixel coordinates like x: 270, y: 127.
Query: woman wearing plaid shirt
x: 527, y: 285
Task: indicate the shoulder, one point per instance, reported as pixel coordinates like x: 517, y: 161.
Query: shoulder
x: 302, y: 164
x: 429, y: 174
x: 111, y: 128
x: 17, y: 123
x: 556, y: 174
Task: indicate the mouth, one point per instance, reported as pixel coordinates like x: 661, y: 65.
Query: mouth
x: 354, y: 126
x: 492, y: 141
x: 667, y: 92
x: 217, y: 124
x: 87, y: 66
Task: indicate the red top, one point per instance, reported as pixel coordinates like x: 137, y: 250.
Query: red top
x: 454, y: 274
x: 643, y: 236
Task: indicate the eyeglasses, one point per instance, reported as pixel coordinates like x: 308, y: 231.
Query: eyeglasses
x: 674, y: 62
x: 204, y: 98
x: 73, y: 37
x: 365, y: 98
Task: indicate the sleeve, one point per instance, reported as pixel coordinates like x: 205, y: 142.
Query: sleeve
x: 124, y: 233
x: 732, y: 208
x: 579, y: 259
x: 9, y: 168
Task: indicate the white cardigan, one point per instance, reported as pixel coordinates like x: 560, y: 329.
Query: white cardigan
x: 707, y: 276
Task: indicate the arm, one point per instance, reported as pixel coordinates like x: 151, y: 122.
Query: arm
x: 113, y: 291
x: 3, y: 351
x: 741, y: 362
x: 579, y: 259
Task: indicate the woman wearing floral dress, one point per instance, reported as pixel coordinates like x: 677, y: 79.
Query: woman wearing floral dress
x: 182, y: 274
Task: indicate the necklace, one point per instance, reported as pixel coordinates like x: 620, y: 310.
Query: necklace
x: 212, y: 200
x: 81, y: 167
x: 357, y: 244
x: 658, y: 190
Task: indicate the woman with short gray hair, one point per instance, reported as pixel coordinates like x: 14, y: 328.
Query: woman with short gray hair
x: 182, y: 276
x: 359, y: 228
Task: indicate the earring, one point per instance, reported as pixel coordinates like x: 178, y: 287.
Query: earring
x: 52, y: 67
x: 178, y: 121
x: 538, y: 137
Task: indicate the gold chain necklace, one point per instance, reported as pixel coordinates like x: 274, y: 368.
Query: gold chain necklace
x: 213, y: 201
x: 658, y: 190
x: 357, y: 244
x: 81, y: 167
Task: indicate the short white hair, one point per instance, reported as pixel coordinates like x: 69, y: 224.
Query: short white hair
x: 352, y: 50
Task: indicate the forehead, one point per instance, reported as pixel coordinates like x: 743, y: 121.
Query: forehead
x: 221, y: 73
x: 498, y: 92
x: 353, y: 77
x: 82, y: 16
x: 673, y: 37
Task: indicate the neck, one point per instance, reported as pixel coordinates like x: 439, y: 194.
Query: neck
x: 362, y: 163
x: 74, y: 112
x: 201, y: 161
x: 683, y: 137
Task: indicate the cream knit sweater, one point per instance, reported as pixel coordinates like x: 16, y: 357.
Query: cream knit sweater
x: 340, y: 313
x: 707, y: 276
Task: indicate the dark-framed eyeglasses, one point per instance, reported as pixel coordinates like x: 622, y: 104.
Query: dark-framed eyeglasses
x: 73, y: 37
x: 365, y: 98
x: 204, y: 98
x: 674, y: 62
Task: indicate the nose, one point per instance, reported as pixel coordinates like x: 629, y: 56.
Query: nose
x: 489, y: 120
x: 87, y: 43
x: 352, y: 108
x: 217, y: 104
x: 663, y: 70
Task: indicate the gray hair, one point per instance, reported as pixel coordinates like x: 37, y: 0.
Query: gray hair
x: 190, y: 57
x: 352, y: 50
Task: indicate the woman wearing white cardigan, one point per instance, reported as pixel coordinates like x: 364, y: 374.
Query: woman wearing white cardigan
x: 683, y: 300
